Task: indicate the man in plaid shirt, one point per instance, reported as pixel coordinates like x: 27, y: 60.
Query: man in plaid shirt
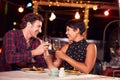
x: 20, y: 47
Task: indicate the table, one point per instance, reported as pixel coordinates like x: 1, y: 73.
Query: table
x: 21, y: 75
x: 111, y: 71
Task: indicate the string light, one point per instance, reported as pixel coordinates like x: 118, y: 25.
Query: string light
x: 77, y: 15
x: 95, y: 8
x: 14, y: 23
x: 20, y: 9
x: 106, y: 13
x: 29, y: 4
x: 0, y: 50
x: 14, y: 29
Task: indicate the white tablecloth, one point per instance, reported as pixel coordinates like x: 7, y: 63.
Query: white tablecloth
x: 21, y: 75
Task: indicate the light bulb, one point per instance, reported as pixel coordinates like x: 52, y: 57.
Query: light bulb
x: 14, y: 23
x: 29, y: 4
x: 77, y: 15
x: 95, y: 8
x: 0, y: 50
x: 52, y: 17
x: 106, y: 13
x: 20, y: 9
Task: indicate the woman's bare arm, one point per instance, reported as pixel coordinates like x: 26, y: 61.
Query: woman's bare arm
x: 89, y: 61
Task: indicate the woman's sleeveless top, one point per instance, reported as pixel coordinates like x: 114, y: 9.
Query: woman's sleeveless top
x: 77, y: 51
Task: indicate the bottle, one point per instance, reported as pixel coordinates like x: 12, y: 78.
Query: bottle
x: 61, y: 72
x: 104, y: 66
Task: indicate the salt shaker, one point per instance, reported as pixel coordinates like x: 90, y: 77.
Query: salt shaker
x: 54, y: 72
x: 61, y: 72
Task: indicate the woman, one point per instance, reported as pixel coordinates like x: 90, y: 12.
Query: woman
x: 78, y: 54
x: 115, y: 62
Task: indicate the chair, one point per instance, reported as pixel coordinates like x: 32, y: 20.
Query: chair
x: 116, y: 73
x: 97, y: 67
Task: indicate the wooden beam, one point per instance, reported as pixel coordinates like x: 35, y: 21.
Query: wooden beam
x: 66, y: 4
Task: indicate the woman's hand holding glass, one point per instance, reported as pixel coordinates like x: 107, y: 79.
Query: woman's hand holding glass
x: 59, y: 54
x: 56, y: 44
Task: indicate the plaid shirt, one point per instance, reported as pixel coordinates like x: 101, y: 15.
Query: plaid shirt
x: 15, y: 50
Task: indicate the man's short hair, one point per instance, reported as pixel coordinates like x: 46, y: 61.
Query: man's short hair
x: 30, y: 17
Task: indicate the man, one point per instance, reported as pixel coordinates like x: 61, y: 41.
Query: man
x: 21, y: 47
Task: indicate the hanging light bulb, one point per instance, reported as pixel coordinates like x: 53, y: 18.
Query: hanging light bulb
x: 20, y: 9
x: 29, y: 4
x: 106, y: 13
x: 77, y: 15
x: 52, y: 17
x: 95, y: 7
x: 14, y: 23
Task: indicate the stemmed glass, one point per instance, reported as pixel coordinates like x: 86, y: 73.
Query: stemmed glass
x: 56, y: 44
x: 47, y: 39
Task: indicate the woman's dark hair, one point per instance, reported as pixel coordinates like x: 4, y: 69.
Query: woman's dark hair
x: 76, y: 24
x: 30, y: 17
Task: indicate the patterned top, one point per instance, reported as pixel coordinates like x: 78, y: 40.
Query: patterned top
x: 115, y: 61
x: 15, y: 50
x: 77, y: 51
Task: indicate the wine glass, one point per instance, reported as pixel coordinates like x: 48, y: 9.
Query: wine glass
x: 47, y: 39
x: 56, y: 44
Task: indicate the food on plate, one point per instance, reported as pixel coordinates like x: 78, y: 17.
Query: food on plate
x: 33, y: 69
x: 72, y: 71
x: 36, y: 69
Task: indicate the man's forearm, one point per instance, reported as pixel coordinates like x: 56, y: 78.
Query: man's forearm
x: 49, y: 61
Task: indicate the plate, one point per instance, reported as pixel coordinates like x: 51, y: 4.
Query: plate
x: 33, y: 70
x: 73, y: 72
x: 115, y: 66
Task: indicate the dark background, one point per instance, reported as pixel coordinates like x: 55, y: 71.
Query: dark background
x: 97, y: 20
x: 56, y: 28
